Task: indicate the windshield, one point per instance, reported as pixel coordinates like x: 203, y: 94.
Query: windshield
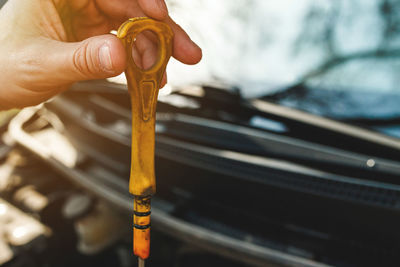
x: 339, y: 59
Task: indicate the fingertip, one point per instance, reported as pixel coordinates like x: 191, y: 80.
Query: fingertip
x: 187, y: 51
x: 163, y: 9
x: 196, y: 54
x: 154, y: 8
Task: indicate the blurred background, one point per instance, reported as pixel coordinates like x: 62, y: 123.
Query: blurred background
x: 261, y: 46
x: 280, y: 148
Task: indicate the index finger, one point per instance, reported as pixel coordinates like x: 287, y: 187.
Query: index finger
x: 185, y: 50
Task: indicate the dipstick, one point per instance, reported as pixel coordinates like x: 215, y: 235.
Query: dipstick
x: 143, y: 86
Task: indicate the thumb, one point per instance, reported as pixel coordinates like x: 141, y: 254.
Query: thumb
x: 97, y: 57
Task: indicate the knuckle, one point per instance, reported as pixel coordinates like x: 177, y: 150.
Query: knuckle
x: 83, y: 61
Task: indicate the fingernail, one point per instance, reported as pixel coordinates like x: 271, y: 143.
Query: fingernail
x: 105, y: 58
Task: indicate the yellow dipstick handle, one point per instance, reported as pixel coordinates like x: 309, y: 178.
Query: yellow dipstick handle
x: 143, y: 86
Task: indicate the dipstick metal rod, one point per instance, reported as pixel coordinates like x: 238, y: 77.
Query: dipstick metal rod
x: 141, y: 262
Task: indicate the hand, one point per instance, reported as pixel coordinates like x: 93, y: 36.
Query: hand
x: 46, y: 45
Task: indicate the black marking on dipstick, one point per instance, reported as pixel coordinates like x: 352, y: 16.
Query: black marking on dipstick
x: 142, y: 227
x: 142, y: 214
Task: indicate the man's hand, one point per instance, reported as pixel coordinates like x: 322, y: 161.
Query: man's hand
x: 46, y: 45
